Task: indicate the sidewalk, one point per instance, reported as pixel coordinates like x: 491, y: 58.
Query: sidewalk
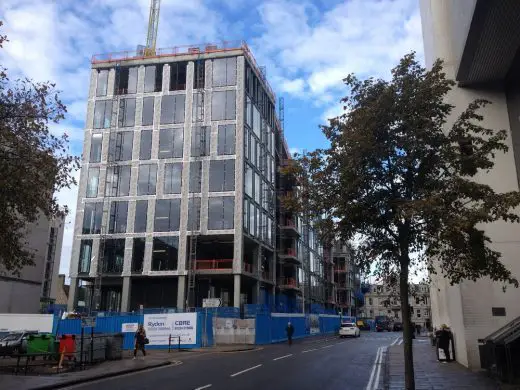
x: 429, y: 373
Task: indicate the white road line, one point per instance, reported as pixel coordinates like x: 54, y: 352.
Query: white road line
x: 203, y: 387
x: 395, y: 341
x: 282, y: 357
x: 310, y: 350
x: 372, y: 373
x: 376, y: 384
x: 246, y: 370
x: 327, y: 346
x: 400, y: 342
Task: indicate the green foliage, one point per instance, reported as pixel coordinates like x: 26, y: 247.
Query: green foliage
x: 34, y: 163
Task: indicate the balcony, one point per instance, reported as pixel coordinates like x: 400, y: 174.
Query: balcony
x: 340, y: 270
x: 289, y: 255
x: 288, y: 284
x: 248, y: 268
x: 267, y: 277
x: 288, y: 225
x: 214, y: 266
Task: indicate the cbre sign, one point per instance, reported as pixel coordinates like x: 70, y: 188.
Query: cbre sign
x: 211, y: 302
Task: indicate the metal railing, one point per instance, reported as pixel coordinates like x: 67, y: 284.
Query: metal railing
x: 288, y: 282
x: 214, y: 264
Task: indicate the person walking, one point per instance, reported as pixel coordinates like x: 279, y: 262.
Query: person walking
x: 140, y: 341
x: 443, y: 341
x: 290, y: 331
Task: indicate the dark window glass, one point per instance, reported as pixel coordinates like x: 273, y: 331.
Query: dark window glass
x: 141, y: 216
x: 145, y: 147
x: 247, y: 142
x: 200, y: 141
x: 226, y: 139
x: 172, y: 109
x: 197, y: 109
x: 118, y: 181
x: 126, y: 81
x: 178, y: 76
x: 120, y: 146
x: 195, y: 176
x: 167, y: 215
x: 199, y: 75
x: 147, y: 179
x: 126, y: 112
x: 249, y: 112
x: 222, y: 175
x: 223, y: 105
x: 102, y: 114
x: 148, y: 103
x: 118, y: 217
x: 96, y: 145
x: 170, y: 143
x: 138, y: 249
x: 149, y: 78
x: 246, y: 215
x: 498, y: 311
x: 92, y: 182
x: 92, y: 214
x: 85, y: 256
x: 194, y: 214
x: 224, y: 72
x: 102, y: 82
x: 220, y: 213
x: 172, y: 178
x: 114, y: 255
x: 165, y: 253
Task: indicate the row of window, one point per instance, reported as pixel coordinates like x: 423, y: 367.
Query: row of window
x: 221, y: 178
x: 258, y: 95
x: 256, y: 154
x: 166, y: 217
x: 257, y: 223
x: 260, y: 191
x: 224, y: 73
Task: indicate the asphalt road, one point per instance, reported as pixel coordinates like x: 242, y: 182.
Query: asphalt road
x: 325, y: 363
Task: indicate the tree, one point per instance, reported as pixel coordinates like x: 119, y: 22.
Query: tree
x: 34, y: 163
x: 400, y: 180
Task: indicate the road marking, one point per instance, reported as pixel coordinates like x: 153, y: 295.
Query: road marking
x: 246, y: 370
x: 282, y: 357
x: 203, y: 387
x: 395, y: 341
x: 400, y: 342
x: 310, y: 350
x: 327, y: 346
x: 373, y: 372
x: 376, y: 384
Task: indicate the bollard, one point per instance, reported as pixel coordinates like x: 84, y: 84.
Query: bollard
x: 179, y: 341
x: 169, y: 343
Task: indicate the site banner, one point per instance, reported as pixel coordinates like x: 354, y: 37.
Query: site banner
x: 159, y: 328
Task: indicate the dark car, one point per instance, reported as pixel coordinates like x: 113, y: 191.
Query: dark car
x: 13, y: 343
x: 398, y: 327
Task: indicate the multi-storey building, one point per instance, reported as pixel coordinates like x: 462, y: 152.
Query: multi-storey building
x: 346, y: 278
x: 384, y: 301
x: 179, y: 185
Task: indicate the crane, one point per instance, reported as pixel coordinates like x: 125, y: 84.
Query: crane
x: 153, y: 26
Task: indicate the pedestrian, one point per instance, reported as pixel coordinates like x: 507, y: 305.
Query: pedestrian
x: 443, y: 341
x: 418, y: 327
x: 140, y: 341
x: 290, y: 331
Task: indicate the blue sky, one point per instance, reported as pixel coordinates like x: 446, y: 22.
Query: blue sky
x: 308, y: 47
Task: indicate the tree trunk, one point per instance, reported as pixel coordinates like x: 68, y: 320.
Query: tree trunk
x: 407, y: 326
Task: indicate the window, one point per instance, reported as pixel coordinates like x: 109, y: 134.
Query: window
x: 114, y: 255
x: 252, y: 219
x: 92, y: 215
x: 165, y: 253
x: 126, y: 81
x: 418, y: 313
x: 222, y: 175
x: 148, y: 104
x: 226, y: 139
x: 199, y: 77
x: 118, y: 217
x: 145, y: 145
x: 120, y: 146
x: 153, y: 78
x: 195, y: 176
x: 249, y: 181
x: 224, y: 72
x: 253, y: 150
x: 223, y: 105
x: 178, y: 76
x: 194, y: 214
x: 92, y: 182
x: 370, y: 301
x: 256, y: 121
x: 246, y: 215
x: 200, y: 141
x: 498, y: 311
x: 96, y: 144
x: 118, y: 181
x: 102, y: 82
x: 172, y: 178
x: 249, y: 112
x: 102, y: 114
x: 221, y: 213
x: 126, y: 116
x: 247, y: 143
x: 167, y: 215
x: 170, y: 143
x: 197, y: 109
x: 172, y: 109
x: 258, y: 188
x: 141, y: 216
x: 85, y: 256
x: 138, y: 249
x: 147, y: 179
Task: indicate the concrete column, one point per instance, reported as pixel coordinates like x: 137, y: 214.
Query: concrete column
x: 73, y: 290
x: 125, y: 295
x: 181, y: 292
x: 236, y: 291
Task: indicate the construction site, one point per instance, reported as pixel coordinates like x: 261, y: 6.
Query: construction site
x: 179, y: 195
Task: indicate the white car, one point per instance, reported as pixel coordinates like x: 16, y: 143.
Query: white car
x: 349, y: 329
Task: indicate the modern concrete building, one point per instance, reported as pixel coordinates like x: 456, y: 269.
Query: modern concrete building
x: 479, y: 40
x: 182, y: 150
x: 37, y: 285
x: 346, y: 278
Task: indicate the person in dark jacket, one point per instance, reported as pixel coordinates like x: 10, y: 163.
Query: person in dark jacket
x: 444, y: 338
x: 290, y: 331
x: 140, y: 341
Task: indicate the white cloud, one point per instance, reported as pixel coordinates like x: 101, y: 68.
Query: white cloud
x: 293, y: 150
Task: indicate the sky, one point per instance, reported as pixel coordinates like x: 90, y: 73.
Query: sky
x: 307, y: 46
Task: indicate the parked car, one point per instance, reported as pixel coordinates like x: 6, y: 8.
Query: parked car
x: 398, y: 327
x: 349, y: 329
x: 14, y: 342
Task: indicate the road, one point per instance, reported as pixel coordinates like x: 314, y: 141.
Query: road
x: 324, y: 363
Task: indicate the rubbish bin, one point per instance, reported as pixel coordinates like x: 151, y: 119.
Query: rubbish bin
x: 38, y: 343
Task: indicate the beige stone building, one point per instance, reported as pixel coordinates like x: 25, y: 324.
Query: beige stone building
x: 479, y: 41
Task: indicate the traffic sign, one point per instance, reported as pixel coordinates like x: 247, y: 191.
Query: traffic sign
x: 88, y: 322
x: 211, y: 302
